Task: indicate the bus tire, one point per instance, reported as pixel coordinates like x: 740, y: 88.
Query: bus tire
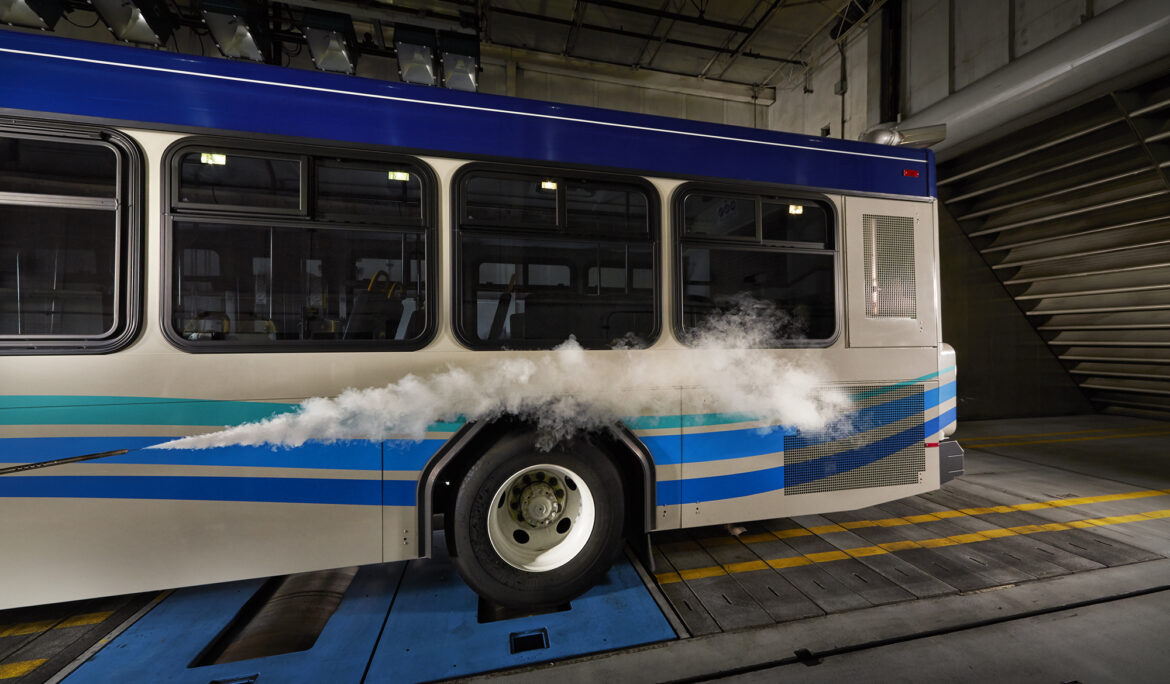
x: 537, y: 528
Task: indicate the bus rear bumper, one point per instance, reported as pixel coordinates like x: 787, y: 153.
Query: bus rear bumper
x: 950, y: 460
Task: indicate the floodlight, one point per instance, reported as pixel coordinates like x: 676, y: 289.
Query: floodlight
x: 331, y: 41
x: 136, y: 21
x: 41, y: 14
x: 239, y: 27
x: 415, y: 48
x: 460, y: 53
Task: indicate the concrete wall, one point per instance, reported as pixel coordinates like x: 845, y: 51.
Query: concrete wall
x: 950, y: 44
x: 1005, y: 369
x: 806, y: 102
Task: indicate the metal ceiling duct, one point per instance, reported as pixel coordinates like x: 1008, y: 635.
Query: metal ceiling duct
x: 1117, y: 41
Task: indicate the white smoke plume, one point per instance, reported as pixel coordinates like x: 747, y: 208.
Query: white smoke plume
x: 724, y: 370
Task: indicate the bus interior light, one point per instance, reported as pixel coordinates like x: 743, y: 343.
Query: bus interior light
x: 795, y: 209
x: 213, y: 158
x: 415, y: 48
x: 331, y: 41
x: 548, y: 185
x: 38, y: 14
x: 238, y: 27
x: 399, y: 176
x: 136, y: 21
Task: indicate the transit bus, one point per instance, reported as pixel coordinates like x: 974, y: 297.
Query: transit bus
x: 188, y: 244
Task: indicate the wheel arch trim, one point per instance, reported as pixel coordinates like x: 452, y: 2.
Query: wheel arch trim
x: 466, y: 437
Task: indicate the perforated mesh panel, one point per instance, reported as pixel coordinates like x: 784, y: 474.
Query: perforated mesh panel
x: 890, y: 290
x: 882, y: 445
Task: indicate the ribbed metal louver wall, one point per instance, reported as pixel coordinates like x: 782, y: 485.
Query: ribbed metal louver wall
x: 1073, y: 215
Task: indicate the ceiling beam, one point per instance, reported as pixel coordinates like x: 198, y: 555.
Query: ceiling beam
x: 531, y: 60
x: 673, y: 16
x: 634, y: 34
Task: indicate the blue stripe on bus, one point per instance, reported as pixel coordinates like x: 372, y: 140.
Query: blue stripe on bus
x: 746, y: 442
x: 255, y: 489
x: 937, y: 425
x: 700, y: 489
x: 351, y: 455
x: 65, y: 76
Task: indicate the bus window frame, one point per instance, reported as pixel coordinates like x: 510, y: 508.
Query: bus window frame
x: 654, y: 236
x: 427, y: 226
x: 129, y: 224
x: 761, y: 194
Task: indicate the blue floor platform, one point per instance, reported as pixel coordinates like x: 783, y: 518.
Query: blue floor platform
x: 398, y: 622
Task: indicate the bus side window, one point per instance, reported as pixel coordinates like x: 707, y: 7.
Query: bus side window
x: 544, y: 257
x: 740, y: 250
x: 312, y: 250
x: 68, y: 243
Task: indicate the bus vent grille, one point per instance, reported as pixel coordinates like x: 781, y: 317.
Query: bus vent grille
x: 880, y: 444
x: 890, y: 290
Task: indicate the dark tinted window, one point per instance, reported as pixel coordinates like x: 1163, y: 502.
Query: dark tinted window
x: 279, y: 284
x: 53, y: 167
x: 796, y: 221
x: 800, y: 285
x: 522, y: 202
x: 719, y: 216
x: 363, y: 192
x: 593, y: 207
x: 784, y: 259
x: 590, y: 274
x: 216, y: 177
x: 349, y: 273
x: 58, y: 271
x: 68, y: 241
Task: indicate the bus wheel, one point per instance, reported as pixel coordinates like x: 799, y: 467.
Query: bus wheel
x: 535, y: 528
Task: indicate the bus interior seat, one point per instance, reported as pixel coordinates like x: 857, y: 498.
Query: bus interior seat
x: 376, y: 313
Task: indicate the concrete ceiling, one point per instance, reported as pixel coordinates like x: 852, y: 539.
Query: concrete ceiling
x: 743, y: 42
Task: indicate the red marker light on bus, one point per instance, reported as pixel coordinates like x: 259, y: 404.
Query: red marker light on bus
x: 910, y: 173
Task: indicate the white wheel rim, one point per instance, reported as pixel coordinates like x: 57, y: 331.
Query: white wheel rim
x: 541, y: 518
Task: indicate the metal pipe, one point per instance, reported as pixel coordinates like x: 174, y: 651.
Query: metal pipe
x: 1129, y: 35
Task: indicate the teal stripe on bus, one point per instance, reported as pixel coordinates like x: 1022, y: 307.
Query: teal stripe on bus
x: 113, y: 410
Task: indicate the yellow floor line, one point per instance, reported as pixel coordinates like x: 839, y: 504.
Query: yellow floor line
x: 1122, y: 435
x: 45, y: 625
x: 14, y: 670
x: 935, y: 516
x: 964, y: 440
x: 893, y: 547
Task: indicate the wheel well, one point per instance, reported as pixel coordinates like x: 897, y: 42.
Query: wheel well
x: 441, y: 477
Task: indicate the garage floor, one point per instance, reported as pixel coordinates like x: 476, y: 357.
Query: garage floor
x: 1047, y: 561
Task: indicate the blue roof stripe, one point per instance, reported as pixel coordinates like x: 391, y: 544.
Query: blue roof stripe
x: 65, y: 76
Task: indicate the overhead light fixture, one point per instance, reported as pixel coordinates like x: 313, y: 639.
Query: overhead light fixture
x: 40, y: 14
x: 415, y: 48
x: 548, y: 185
x: 331, y: 39
x: 136, y: 21
x: 213, y: 158
x: 795, y: 209
x: 460, y: 53
x: 239, y: 27
x: 398, y: 175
